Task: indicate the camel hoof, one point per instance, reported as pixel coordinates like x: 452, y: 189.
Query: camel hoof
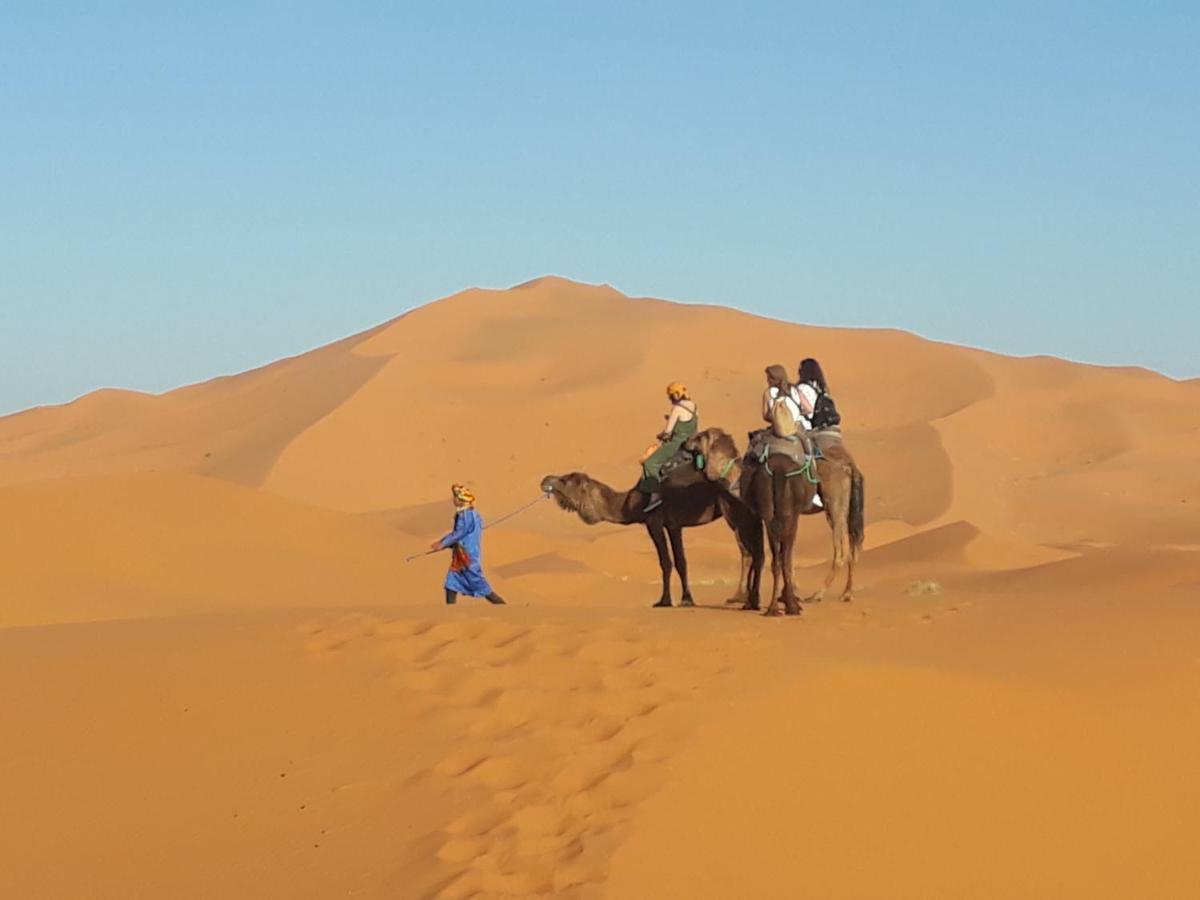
x: 661, y: 604
x: 735, y: 601
x: 749, y: 604
x: 846, y: 598
x: 813, y: 598
x: 772, y: 613
x: 793, y: 612
x: 687, y: 601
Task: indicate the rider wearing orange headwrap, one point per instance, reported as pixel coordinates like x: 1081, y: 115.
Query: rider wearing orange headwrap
x: 682, y: 422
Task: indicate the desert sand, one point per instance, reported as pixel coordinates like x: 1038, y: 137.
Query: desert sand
x: 220, y: 678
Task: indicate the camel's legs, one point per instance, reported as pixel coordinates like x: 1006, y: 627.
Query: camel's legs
x: 743, y: 588
x: 776, y: 568
x: 788, y: 546
x: 841, y: 537
x: 837, y: 510
x: 676, y: 535
x: 848, y: 591
x: 743, y: 591
x: 658, y: 535
x: 757, y: 559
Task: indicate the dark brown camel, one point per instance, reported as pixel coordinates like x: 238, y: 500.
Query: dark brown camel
x: 779, y: 492
x: 689, y: 499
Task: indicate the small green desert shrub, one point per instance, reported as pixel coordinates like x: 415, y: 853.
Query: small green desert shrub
x: 922, y: 588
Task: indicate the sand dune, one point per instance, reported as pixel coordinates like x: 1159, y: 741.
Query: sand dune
x: 79, y: 549
x: 232, y: 427
x: 1013, y: 747
x: 222, y: 679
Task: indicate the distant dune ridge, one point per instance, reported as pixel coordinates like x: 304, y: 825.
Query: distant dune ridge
x: 258, y: 524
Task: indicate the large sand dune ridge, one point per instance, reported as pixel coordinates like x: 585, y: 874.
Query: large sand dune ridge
x: 223, y: 679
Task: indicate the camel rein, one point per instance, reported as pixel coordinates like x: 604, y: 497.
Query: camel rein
x: 504, y: 518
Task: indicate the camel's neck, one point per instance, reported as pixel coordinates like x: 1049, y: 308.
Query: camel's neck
x: 614, y: 506
x: 601, y: 503
x: 731, y: 477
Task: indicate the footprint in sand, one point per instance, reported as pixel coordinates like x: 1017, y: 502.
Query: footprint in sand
x: 631, y: 678
x: 501, y: 772
x: 626, y: 704
x: 404, y: 628
x: 461, y: 849
x: 477, y: 821
x: 570, y: 710
x: 506, y: 655
x: 480, y: 688
x: 501, y: 634
x: 464, y: 886
x: 578, y: 872
x: 461, y: 761
x: 541, y: 820
x: 592, y: 765
x: 610, y: 653
x: 327, y: 639
x: 598, y: 729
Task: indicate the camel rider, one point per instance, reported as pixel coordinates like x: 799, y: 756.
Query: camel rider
x: 787, y: 411
x: 682, y: 422
x: 466, y: 543
x: 780, y: 390
x: 814, y: 390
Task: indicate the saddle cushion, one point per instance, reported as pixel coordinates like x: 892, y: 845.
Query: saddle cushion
x: 827, y: 442
x: 764, y: 443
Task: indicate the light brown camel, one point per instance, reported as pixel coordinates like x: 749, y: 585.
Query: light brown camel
x: 689, y: 499
x: 779, y: 492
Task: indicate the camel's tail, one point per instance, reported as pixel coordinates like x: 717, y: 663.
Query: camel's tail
x: 857, y: 509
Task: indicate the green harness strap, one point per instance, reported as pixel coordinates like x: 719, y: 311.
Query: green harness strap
x: 807, y: 470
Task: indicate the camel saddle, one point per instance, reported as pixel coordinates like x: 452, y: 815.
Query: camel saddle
x: 683, y: 457
x: 764, y: 443
x: 826, y: 439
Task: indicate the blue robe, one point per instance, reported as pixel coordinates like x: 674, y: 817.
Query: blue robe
x: 466, y: 562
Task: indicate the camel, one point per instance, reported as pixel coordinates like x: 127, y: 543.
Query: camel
x: 779, y: 492
x: 689, y: 499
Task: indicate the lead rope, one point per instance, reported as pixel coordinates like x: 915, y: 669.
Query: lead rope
x: 504, y: 518
x: 518, y: 511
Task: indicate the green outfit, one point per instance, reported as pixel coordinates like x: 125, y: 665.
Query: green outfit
x: 651, y: 482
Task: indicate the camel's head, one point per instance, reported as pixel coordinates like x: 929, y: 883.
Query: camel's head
x: 576, y: 493
x: 716, y: 456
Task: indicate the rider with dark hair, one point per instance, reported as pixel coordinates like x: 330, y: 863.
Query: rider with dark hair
x: 816, y: 402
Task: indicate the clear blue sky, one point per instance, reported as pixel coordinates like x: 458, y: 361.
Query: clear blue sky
x: 195, y: 190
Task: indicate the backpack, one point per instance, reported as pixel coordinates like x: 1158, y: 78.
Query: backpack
x: 783, y: 422
x: 825, y: 414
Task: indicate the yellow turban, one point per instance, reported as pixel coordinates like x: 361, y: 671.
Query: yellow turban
x: 462, y: 495
x: 677, y: 391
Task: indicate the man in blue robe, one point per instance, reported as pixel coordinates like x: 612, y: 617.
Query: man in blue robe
x: 466, y: 543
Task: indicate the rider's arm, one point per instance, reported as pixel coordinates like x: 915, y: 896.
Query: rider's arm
x: 462, y: 526
x: 806, y: 405
x: 672, y: 420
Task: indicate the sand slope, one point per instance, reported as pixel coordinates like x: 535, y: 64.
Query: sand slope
x: 222, y: 679
x: 158, y: 544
